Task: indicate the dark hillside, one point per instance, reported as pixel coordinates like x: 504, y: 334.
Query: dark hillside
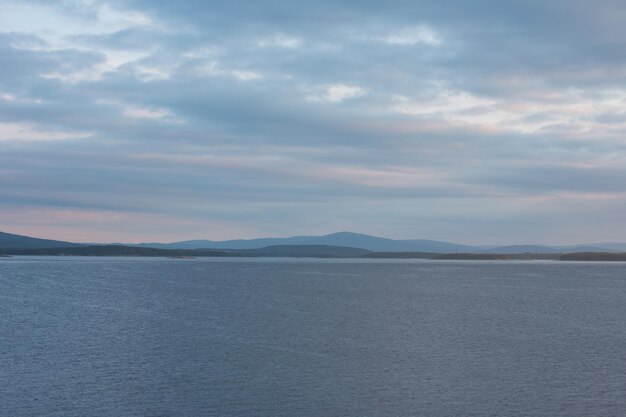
x: 11, y: 241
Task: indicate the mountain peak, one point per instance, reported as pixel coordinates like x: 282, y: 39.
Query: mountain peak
x: 347, y: 234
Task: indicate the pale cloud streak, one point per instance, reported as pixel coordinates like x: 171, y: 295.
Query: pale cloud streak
x: 18, y: 132
x: 413, y: 36
x: 335, y: 93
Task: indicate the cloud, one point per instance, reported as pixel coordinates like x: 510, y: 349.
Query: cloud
x: 280, y: 41
x: 213, y: 69
x: 468, y: 122
x: 13, y: 132
x: 336, y: 93
x: 413, y: 36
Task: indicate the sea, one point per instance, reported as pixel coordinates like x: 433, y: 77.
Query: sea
x: 83, y: 336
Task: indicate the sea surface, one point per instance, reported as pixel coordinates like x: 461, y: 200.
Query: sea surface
x: 276, y: 337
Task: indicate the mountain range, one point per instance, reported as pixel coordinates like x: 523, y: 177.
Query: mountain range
x: 380, y: 244
x: 340, y: 239
x: 11, y: 241
x: 345, y: 239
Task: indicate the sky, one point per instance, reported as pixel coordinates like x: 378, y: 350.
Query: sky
x: 478, y: 122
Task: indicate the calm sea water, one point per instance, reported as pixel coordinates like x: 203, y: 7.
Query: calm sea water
x: 160, y: 337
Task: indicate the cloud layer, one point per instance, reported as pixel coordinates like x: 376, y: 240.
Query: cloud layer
x: 489, y: 122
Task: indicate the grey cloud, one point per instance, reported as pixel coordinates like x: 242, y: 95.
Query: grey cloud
x: 211, y: 84
x: 549, y: 179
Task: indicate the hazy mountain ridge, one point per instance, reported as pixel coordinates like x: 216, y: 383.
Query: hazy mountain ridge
x: 354, y: 241
x: 292, y: 251
x: 380, y: 244
x: 321, y: 251
x: 544, y: 249
x: 12, y: 241
x: 345, y: 239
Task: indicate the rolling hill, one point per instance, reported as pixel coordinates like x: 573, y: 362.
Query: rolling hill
x: 11, y: 241
x: 345, y: 239
x: 334, y: 244
x: 318, y: 251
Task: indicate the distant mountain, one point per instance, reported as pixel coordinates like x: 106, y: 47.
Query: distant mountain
x: 345, y: 239
x: 521, y: 249
x: 11, y: 241
x: 293, y: 251
x: 541, y: 249
x: 472, y: 257
x: 317, y: 251
x: 594, y: 256
x: 590, y: 248
x: 608, y: 246
x: 380, y: 244
x: 111, y: 250
x: 314, y: 246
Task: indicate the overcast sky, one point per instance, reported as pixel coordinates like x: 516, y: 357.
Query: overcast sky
x: 485, y: 122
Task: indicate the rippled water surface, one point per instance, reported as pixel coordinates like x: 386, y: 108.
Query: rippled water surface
x: 164, y: 337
